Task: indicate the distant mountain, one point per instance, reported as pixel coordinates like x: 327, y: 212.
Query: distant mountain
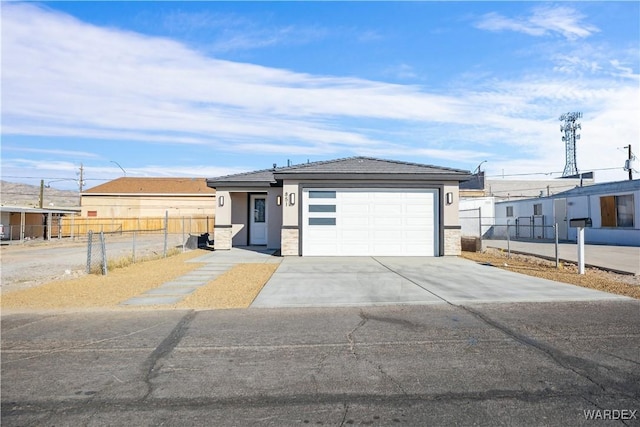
x: 14, y: 194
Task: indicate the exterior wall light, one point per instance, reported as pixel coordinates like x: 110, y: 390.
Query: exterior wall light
x: 449, y: 198
x: 279, y: 200
x: 292, y: 199
x: 221, y: 201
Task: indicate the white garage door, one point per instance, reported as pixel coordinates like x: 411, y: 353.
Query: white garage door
x: 369, y: 222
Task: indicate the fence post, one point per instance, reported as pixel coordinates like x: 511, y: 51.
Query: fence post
x: 166, y: 227
x: 89, y: 239
x: 509, y: 240
x: 555, y: 233
x: 104, y: 254
x: 134, y: 248
x: 183, y: 242
x: 480, y: 227
x: 73, y: 217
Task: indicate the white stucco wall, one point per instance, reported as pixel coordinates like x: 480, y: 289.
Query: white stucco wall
x: 579, y: 206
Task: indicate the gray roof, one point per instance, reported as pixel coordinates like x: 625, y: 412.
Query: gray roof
x: 606, y: 187
x: 28, y: 209
x: 261, y: 178
x: 347, y: 168
x: 589, y: 190
x: 368, y: 165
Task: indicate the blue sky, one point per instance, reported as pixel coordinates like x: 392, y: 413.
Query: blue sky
x: 207, y: 88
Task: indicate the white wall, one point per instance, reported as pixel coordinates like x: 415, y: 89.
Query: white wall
x: 582, y: 206
x: 589, y: 207
x: 469, y: 214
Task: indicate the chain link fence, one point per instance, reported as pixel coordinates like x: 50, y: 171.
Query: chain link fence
x: 96, y: 253
x: 107, y: 250
x: 478, y: 230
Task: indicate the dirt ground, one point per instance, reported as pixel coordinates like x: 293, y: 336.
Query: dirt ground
x: 96, y: 291
x: 237, y: 288
x: 593, y: 278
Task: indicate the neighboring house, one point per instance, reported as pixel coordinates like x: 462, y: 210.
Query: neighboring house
x: 130, y: 197
x: 358, y: 206
x: 20, y: 223
x: 614, y: 209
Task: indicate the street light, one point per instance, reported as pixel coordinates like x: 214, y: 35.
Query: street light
x: 118, y: 164
x: 478, y: 168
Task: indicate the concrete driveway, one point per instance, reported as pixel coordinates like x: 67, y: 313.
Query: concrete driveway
x: 363, y: 281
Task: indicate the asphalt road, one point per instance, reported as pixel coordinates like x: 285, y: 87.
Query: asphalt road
x: 486, y: 364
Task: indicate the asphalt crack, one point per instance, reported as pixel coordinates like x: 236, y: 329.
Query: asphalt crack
x: 579, y: 366
x: 344, y: 415
x: 150, y: 367
x: 350, y: 335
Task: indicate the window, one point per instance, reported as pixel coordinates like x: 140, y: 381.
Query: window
x: 322, y: 194
x: 322, y: 221
x: 537, y: 209
x: 92, y: 213
x: 322, y: 208
x: 259, y: 210
x: 509, y: 211
x: 617, y: 211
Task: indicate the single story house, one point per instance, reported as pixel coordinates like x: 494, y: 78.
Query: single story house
x: 135, y: 197
x: 27, y: 223
x: 613, y: 207
x: 357, y: 206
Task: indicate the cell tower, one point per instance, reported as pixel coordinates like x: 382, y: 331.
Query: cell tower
x: 570, y: 137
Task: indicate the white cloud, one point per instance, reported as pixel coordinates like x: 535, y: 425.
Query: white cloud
x: 68, y: 153
x: 543, y: 21
x: 62, y: 77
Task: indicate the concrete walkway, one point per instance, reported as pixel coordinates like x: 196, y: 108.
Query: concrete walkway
x: 623, y: 259
x: 217, y: 263
x: 365, y: 281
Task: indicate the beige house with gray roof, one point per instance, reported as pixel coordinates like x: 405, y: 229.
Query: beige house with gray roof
x: 358, y: 206
x: 131, y: 197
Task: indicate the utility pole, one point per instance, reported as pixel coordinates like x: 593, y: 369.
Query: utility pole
x: 629, y: 163
x: 80, y: 183
x: 41, y: 203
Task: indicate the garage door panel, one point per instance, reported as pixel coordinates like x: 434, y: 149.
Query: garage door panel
x: 354, y: 222
x: 356, y: 235
x: 374, y: 222
x: 353, y: 197
x: 418, y: 210
x: 354, y: 210
x: 392, y: 211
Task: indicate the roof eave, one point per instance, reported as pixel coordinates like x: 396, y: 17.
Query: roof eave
x: 242, y: 184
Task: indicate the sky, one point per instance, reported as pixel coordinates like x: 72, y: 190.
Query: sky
x: 204, y: 89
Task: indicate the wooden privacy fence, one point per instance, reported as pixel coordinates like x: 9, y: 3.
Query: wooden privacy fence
x: 79, y: 226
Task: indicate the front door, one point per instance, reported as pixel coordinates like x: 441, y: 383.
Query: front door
x: 258, y: 220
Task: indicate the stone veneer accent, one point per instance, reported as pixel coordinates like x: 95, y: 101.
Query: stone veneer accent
x: 452, y: 242
x: 222, y: 239
x: 290, y: 242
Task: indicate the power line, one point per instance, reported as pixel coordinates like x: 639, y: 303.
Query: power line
x: 548, y: 173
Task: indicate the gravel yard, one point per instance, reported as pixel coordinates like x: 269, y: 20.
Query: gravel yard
x: 621, y: 284
x: 237, y: 288
x: 96, y: 291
